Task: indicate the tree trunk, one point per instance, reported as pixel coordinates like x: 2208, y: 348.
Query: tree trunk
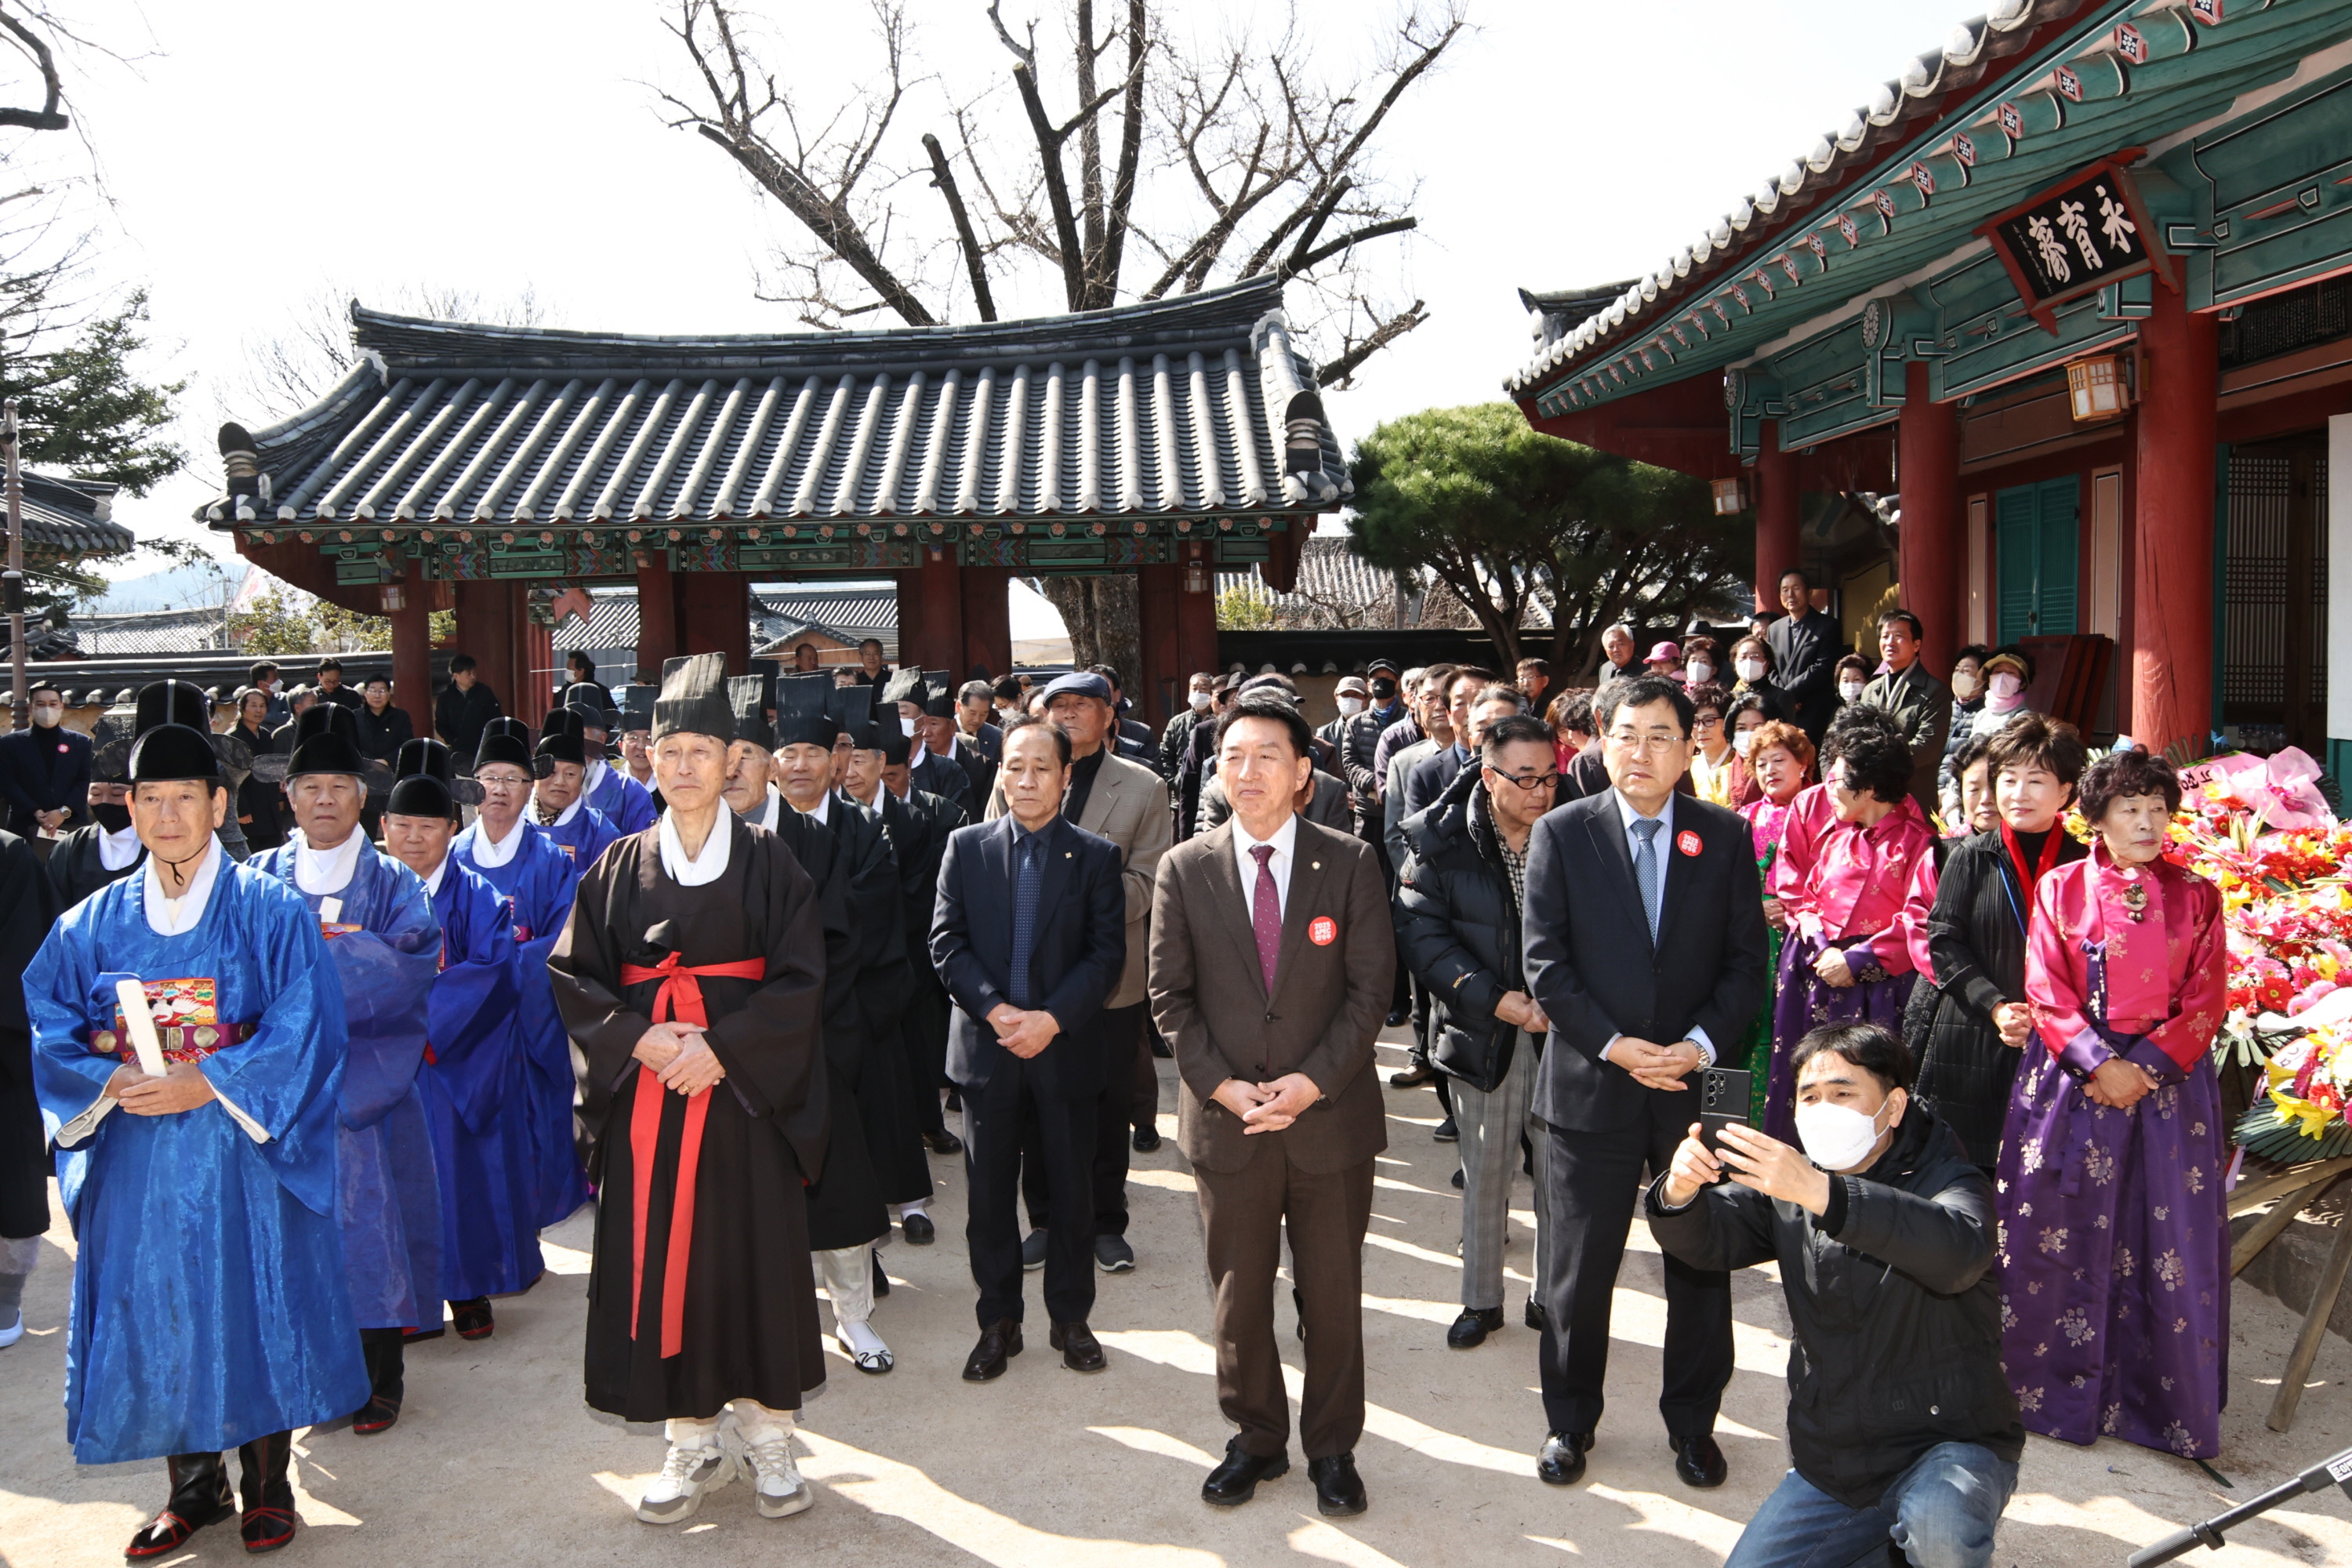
x: 1104, y: 621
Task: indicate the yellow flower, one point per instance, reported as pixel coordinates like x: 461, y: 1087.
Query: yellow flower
x: 2311, y: 1120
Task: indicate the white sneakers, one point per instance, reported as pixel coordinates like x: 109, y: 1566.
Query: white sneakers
x: 778, y: 1488
x: 16, y: 1331
x: 686, y: 1475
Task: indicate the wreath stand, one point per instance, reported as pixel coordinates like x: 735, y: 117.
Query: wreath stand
x: 2290, y: 1192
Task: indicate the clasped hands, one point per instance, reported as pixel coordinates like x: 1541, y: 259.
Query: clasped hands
x: 1655, y: 1066
x: 680, y: 1055
x: 1024, y: 1033
x: 1269, y: 1107
x: 1751, y: 1159
x: 1519, y: 1010
x: 183, y: 1087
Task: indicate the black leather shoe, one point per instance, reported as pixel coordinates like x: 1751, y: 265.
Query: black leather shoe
x: 999, y: 1343
x: 1471, y: 1329
x: 200, y: 1496
x: 1397, y: 1016
x: 1081, y: 1351
x: 1446, y: 1132
x: 1235, y: 1479
x: 1160, y: 1047
x: 1414, y: 1076
x: 1535, y: 1314
x: 1561, y: 1463
x: 943, y: 1142
x: 917, y: 1229
x: 1699, y: 1462
x: 1339, y: 1490
x: 1147, y: 1139
x: 1457, y: 1179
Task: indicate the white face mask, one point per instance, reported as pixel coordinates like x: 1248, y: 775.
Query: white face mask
x: 1751, y: 669
x: 906, y: 726
x: 1700, y: 672
x: 1201, y: 701
x: 1964, y: 686
x: 2005, y: 686
x: 46, y: 716
x: 1850, y: 690
x: 1836, y: 1137
x: 1351, y: 705
x: 1743, y: 740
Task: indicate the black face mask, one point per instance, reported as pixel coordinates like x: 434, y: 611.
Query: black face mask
x: 112, y: 815
x: 1383, y: 689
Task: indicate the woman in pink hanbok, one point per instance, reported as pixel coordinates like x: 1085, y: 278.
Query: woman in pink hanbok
x: 2115, y: 1241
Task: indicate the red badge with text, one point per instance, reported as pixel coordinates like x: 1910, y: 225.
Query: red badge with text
x: 1322, y: 930
x: 1688, y: 842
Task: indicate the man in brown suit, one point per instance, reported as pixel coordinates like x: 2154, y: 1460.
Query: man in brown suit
x: 1272, y: 960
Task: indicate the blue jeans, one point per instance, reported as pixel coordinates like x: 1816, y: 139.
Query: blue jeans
x: 1941, y: 1512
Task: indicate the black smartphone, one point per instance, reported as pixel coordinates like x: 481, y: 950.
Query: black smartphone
x: 1722, y: 1102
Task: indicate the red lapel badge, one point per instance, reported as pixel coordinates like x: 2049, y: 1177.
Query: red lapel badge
x: 1688, y: 842
x: 1323, y: 931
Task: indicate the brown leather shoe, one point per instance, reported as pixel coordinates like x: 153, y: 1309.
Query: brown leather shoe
x: 999, y: 1343
x: 1081, y: 1351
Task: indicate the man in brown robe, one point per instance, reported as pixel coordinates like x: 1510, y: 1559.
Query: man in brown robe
x: 691, y: 978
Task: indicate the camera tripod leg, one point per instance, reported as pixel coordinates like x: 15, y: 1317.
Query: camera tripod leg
x: 2315, y: 1328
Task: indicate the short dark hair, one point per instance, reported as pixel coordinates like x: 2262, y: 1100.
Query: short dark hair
x: 1972, y: 751
x: 971, y: 688
x: 1020, y: 722
x: 1573, y: 709
x: 1869, y: 740
x: 459, y: 663
x: 1008, y: 688
x: 327, y: 664
x: 1108, y: 673
x: 1436, y: 675
x: 1857, y: 661
x: 1461, y: 672
x: 2121, y: 773
x: 1266, y: 704
x: 1707, y: 694
x: 264, y: 669
x: 577, y: 657
x: 1746, y: 702
x: 1640, y: 691
x: 1975, y: 650
x: 1763, y: 646
x: 383, y: 680
x: 52, y: 688
x: 1872, y: 1047
x: 1918, y: 631
x: 1503, y: 691
x: 1798, y: 573
x: 1699, y: 643
x: 874, y: 643
x: 1535, y: 666
x: 1517, y: 729
x: 2035, y: 739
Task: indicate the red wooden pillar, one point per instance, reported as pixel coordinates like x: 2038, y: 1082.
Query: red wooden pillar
x: 1933, y: 546
x: 657, y: 612
x: 534, y: 661
x: 1776, y: 516
x: 486, y: 616
x: 1196, y: 612
x: 930, y: 614
x: 2171, y: 694
x: 412, y: 652
x: 1159, y: 685
x: 986, y: 613
x: 714, y: 615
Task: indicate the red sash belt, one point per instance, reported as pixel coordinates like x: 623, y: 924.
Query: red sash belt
x: 181, y: 1042
x: 679, y: 1000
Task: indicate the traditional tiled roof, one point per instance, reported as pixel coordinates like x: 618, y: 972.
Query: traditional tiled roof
x: 69, y: 519
x: 150, y: 631
x: 1173, y: 407
x: 1974, y: 53
x: 1337, y: 588
x: 844, y: 615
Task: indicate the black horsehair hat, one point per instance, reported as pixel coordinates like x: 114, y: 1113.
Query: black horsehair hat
x: 425, y: 782
x: 171, y: 751
x: 504, y: 740
x: 748, y: 696
x: 180, y: 705
x: 636, y: 708
x: 694, y: 700
x: 802, y: 716
x: 561, y: 738
x: 326, y: 741
x: 596, y: 709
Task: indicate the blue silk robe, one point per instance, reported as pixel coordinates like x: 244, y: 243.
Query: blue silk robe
x: 584, y: 838
x: 209, y: 1302
x: 387, y: 1196
x: 622, y: 801
x: 540, y: 880
x: 477, y: 1088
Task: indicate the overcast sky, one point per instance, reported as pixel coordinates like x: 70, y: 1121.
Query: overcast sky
x: 255, y: 153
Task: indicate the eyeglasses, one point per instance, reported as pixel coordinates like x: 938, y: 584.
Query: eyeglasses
x: 1530, y: 784
x: 1656, y: 740
x: 1706, y: 721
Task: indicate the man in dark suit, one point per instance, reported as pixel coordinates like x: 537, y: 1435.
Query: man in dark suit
x: 1806, y: 647
x: 975, y: 700
x: 1029, y: 935
x: 1279, y: 1107
x: 45, y: 770
x: 1435, y: 773
x: 1644, y: 946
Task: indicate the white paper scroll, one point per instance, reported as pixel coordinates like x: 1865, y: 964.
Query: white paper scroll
x: 131, y: 997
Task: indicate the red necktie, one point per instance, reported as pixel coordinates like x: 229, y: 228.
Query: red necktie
x: 1266, y: 915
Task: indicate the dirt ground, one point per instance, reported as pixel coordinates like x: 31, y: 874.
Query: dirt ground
x: 496, y: 1460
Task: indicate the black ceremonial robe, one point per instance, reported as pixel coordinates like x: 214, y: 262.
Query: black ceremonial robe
x: 885, y: 1089
x: 728, y: 1310
x: 918, y: 827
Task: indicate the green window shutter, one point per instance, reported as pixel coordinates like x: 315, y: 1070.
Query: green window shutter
x: 2016, y: 558
x: 2060, y: 554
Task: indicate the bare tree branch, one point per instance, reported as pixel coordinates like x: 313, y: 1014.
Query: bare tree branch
x: 47, y: 117
x: 944, y: 177
x: 1338, y: 370
x: 1299, y: 264
x: 1057, y: 190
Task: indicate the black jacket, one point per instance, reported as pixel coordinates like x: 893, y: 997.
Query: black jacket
x: 45, y: 770
x: 1459, y: 927
x: 1894, y: 1301
x: 380, y: 738
x: 459, y: 718
x: 1804, y: 669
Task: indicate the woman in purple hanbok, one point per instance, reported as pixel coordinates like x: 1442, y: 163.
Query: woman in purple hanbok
x: 2115, y: 1241
x: 1844, y: 878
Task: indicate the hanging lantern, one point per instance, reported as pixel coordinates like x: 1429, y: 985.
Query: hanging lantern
x: 2096, y: 388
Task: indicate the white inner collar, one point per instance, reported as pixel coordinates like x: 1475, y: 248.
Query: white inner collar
x: 695, y: 871
x: 592, y: 777
x: 488, y: 851
x: 324, y: 871
x: 118, y: 850
x: 177, y: 917
x: 433, y: 883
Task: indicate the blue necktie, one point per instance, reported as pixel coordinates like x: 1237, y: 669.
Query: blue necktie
x: 1645, y: 868
x: 1026, y: 879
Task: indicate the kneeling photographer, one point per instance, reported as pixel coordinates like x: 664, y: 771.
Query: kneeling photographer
x: 1900, y: 1423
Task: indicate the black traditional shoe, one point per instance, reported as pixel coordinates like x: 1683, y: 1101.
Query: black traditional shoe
x: 1414, y: 1076
x: 1457, y: 1178
x: 1113, y: 1254
x: 472, y: 1319
x: 1032, y: 1250
x: 1397, y: 1016
x: 1534, y: 1316
x: 943, y: 1142
x: 1471, y: 1329
x: 1081, y: 1351
x: 1339, y: 1490
x: 999, y: 1343
x: 1561, y: 1463
x: 881, y: 1278
x: 1160, y: 1047
x: 200, y: 1496
x: 1699, y: 1462
x: 1147, y: 1138
x: 954, y: 1101
x: 1235, y: 1479
x: 267, y: 1528
x: 917, y: 1229
x: 1446, y: 1132
x: 377, y: 1416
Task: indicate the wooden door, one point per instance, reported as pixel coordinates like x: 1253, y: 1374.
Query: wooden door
x: 2038, y: 556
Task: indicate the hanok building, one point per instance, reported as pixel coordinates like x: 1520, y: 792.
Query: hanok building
x: 488, y: 469
x: 2074, y: 286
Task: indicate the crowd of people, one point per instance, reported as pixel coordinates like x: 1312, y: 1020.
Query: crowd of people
x: 1786, y: 947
